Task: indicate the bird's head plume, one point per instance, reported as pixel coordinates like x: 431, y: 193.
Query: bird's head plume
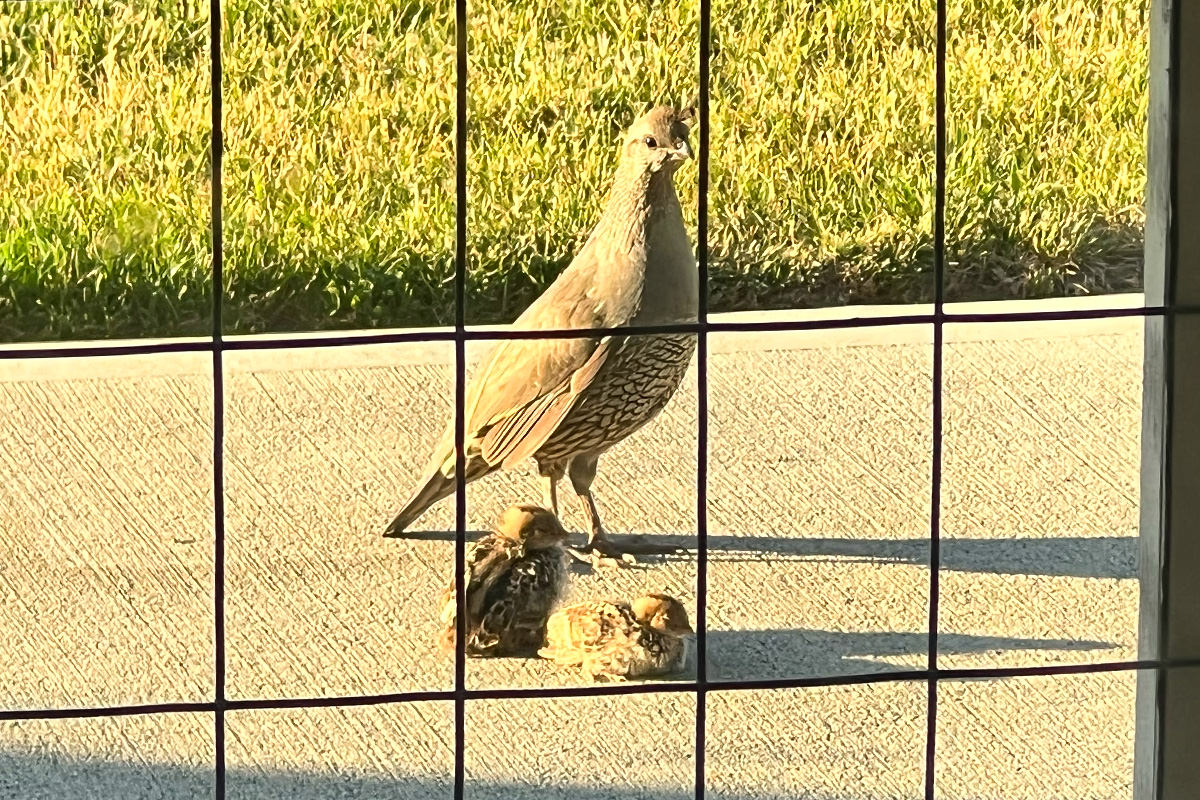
x: 658, y: 140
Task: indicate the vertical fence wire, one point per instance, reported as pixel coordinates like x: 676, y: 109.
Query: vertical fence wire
x: 937, y: 378
x: 460, y: 382
x: 702, y: 402
x: 218, y: 398
x: 220, y: 703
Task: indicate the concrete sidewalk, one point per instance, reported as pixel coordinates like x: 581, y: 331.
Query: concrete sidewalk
x: 818, y: 518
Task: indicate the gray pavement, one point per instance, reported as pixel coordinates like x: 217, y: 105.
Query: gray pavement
x: 818, y: 518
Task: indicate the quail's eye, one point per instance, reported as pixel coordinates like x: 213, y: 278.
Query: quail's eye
x: 651, y: 142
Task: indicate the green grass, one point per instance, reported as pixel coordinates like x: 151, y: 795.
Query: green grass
x: 339, y: 162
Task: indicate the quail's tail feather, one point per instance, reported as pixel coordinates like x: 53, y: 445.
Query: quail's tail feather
x: 437, y: 486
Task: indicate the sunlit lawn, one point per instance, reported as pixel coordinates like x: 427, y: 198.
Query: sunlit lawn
x: 339, y: 163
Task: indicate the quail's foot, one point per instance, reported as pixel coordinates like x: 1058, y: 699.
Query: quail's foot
x: 602, y: 551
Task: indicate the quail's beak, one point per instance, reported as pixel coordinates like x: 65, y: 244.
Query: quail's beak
x: 681, y: 153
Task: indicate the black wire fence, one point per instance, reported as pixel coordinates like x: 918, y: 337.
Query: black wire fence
x: 932, y: 675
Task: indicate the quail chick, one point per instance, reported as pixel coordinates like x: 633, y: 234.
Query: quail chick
x: 565, y: 401
x: 514, y: 576
x: 617, y: 641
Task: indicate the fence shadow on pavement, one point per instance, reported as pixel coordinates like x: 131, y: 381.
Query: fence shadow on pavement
x: 1112, y: 557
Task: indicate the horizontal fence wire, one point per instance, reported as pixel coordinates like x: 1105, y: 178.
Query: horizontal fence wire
x: 313, y: 341
x: 941, y: 675
x: 217, y: 344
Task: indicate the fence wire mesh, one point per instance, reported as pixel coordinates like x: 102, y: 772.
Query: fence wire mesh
x: 936, y: 318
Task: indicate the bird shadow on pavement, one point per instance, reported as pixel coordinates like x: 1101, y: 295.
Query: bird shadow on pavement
x: 46, y: 775
x: 773, y: 654
x: 1062, y: 556
x: 804, y: 652
x: 438, y: 536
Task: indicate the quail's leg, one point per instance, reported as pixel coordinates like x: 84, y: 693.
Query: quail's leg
x: 551, y: 475
x: 600, y: 548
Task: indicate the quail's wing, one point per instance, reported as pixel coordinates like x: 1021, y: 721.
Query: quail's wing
x: 519, y: 432
x: 486, y: 562
x: 585, y: 629
x: 527, y: 386
x: 536, y: 583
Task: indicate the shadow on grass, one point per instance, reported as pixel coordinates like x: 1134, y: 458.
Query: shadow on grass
x: 1113, y: 557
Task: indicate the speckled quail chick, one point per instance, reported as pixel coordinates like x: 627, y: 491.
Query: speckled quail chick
x: 616, y: 641
x: 514, y: 577
x: 565, y: 401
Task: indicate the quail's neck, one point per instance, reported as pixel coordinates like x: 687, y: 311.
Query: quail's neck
x: 636, y: 198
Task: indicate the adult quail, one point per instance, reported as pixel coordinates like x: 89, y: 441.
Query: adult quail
x: 514, y: 577
x: 616, y: 641
x: 565, y: 401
